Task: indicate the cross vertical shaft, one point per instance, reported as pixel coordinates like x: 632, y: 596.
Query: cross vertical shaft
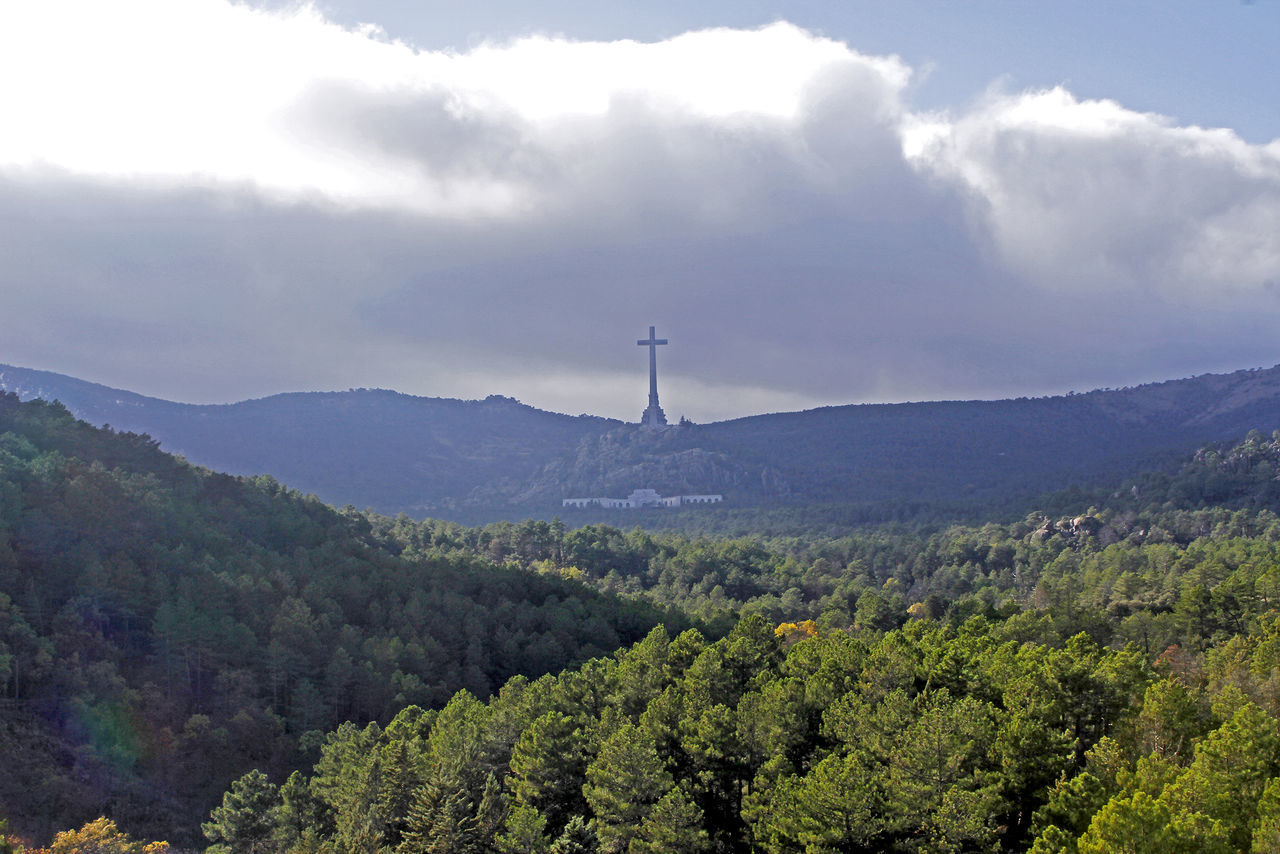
x: 653, y: 415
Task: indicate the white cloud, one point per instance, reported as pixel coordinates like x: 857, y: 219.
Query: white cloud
x: 206, y: 91
x: 1086, y: 196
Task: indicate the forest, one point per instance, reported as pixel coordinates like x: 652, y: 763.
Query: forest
x: 225, y: 664
x: 163, y: 628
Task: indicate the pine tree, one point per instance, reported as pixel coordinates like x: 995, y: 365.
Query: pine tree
x: 395, y: 796
x: 548, y: 767
x: 525, y: 832
x: 1230, y: 773
x: 673, y: 826
x: 625, y: 780
x: 1266, y: 833
x: 244, y: 822
x: 441, y: 821
x: 837, y: 806
x: 301, y: 815
x: 579, y: 837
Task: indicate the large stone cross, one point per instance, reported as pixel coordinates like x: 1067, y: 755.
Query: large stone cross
x: 653, y: 415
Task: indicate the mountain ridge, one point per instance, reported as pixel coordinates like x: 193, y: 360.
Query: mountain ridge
x: 497, y: 457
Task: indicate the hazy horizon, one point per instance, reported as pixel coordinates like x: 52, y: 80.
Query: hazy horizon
x: 672, y: 419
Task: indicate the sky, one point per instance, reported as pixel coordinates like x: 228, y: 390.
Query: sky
x: 816, y: 202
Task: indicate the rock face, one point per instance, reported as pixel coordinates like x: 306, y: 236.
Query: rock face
x: 1081, y: 527
x: 670, y: 460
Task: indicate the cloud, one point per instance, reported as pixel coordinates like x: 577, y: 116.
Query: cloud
x: 1086, y: 196
x: 208, y: 201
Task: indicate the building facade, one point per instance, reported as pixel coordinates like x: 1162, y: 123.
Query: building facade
x: 642, y: 498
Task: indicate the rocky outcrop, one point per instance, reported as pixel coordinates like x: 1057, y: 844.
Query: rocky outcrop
x: 672, y: 460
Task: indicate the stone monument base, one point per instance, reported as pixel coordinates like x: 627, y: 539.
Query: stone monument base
x: 653, y: 416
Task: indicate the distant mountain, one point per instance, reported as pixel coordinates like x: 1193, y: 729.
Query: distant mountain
x: 368, y: 447
x: 499, y: 458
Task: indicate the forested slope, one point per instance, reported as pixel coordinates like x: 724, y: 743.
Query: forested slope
x: 987, y: 735
x: 1104, y: 681
x: 1218, y: 509
x: 479, y: 461
x: 985, y: 451
x: 1098, y: 675
x: 164, y: 628
x: 367, y: 447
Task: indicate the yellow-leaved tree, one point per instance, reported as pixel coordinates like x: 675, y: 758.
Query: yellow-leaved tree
x: 100, y: 836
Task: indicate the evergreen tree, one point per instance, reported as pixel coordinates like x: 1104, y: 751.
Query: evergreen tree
x: 942, y: 749
x: 400, y: 778
x: 579, y: 837
x: 525, y: 832
x: 245, y: 821
x: 1266, y: 833
x: 838, y: 806
x: 442, y: 820
x: 1140, y: 823
x: 624, y: 781
x: 301, y: 816
x: 548, y: 766
x: 1230, y: 773
x: 1071, y: 806
x: 673, y: 826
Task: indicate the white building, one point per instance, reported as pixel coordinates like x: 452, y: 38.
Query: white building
x: 642, y: 498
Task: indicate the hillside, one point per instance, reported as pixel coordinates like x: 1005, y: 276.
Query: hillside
x: 1222, y: 491
x: 366, y: 447
x: 164, y: 628
x: 498, y: 458
x: 1100, y: 682
x: 988, y: 450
